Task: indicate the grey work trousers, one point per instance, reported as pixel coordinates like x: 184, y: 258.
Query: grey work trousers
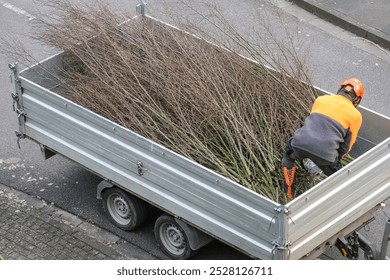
x: 291, y: 154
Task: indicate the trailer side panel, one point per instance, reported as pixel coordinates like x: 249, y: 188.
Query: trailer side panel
x: 214, y: 204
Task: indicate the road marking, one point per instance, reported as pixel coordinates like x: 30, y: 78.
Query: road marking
x: 17, y: 10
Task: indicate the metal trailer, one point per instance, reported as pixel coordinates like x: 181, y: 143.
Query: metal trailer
x: 199, y: 204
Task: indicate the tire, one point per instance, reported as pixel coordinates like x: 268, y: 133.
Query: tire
x: 172, y: 239
x: 124, y: 210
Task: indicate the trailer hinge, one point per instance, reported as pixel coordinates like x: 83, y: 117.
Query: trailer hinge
x: 17, y: 105
x: 15, y: 77
x: 141, y: 169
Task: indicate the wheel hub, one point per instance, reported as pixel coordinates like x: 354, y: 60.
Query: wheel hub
x: 175, y: 237
x: 121, y: 207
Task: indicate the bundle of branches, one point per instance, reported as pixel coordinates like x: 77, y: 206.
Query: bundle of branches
x: 230, y: 114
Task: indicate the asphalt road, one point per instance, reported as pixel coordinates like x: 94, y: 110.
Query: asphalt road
x: 332, y: 55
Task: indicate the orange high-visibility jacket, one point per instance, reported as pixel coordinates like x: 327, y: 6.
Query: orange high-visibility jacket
x: 331, y: 129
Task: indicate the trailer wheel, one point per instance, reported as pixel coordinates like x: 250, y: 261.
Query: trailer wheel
x: 172, y: 239
x: 123, y: 209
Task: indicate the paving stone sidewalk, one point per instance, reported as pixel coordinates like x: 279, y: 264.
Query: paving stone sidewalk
x: 369, y: 19
x: 31, y: 229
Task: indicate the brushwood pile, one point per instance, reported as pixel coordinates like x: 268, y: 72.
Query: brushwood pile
x: 209, y: 104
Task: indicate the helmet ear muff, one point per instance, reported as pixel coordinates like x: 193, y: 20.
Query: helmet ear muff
x: 348, y: 89
x: 356, y: 100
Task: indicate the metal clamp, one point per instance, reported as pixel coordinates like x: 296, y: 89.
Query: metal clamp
x: 277, y: 246
x: 15, y: 72
x: 14, y: 69
x: 13, y: 66
x: 19, y: 136
x: 15, y: 98
x: 281, y: 208
x: 20, y: 113
x: 286, y: 211
x: 141, y: 8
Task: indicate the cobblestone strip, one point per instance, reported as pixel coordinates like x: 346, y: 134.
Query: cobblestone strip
x: 36, y: 231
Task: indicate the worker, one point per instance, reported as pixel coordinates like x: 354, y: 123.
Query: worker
x: 327, y: 134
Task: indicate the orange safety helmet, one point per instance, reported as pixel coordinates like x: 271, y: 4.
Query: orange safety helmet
x: 357, y: 89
